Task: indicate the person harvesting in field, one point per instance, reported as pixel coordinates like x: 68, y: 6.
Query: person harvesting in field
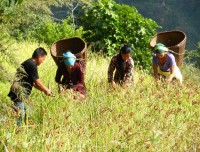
x: 164, y: 64
x: 70, y: 75
x: 26, y: 77
x: 123, y: 65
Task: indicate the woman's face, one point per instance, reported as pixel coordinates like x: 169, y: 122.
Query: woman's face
x: 126, y: 56
x: 69, y: 67
x: 161, y: 56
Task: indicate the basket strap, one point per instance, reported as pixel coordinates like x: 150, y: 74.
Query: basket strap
x: 176, y: 53
x: 76, y: 59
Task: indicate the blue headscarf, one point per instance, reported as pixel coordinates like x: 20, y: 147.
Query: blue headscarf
x: 69, y: 58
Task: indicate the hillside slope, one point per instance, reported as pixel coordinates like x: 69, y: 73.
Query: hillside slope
x: 177, y: 14
x: 144, y: 117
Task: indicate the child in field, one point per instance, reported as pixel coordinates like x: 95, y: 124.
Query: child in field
x: 123, y: 65
x: 70, y: 75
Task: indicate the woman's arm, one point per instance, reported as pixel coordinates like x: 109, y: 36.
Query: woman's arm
x: 129, y: 71
x: 155, y: 71
x: 172, y: 67
x: 81, y: 75
x: 111, y: 69
x: 58, y: 75
x: 169, y: 79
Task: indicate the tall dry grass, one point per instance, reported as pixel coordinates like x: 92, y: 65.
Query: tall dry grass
x: 144, y: 117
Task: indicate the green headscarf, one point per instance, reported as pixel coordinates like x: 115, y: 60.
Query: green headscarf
x: 161, y: 49
x: 159, y: 44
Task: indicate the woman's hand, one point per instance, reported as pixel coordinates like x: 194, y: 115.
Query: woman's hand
x: 113, y: 83
x: 60, y: 88
x: 169, y: 79
x: 155, y: 70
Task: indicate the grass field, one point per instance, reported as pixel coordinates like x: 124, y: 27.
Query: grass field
x: 144, y: 117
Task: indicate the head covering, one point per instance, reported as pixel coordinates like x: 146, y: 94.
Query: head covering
x: 159, y: 44
x: 161, y: 49
x: 69, y: 58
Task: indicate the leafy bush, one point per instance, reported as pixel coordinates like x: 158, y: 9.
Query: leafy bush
x: 109, y: 25
x: 17, y: 16
x: 193, y: 56
x: 52, y: 31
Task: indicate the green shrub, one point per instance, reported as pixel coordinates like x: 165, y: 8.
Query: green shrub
x: 109, y: 25
x: 52, y: 31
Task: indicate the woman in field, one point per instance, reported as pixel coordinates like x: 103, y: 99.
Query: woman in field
x: 123, y: 65
x: 164, y: 64
x: 70, y: 75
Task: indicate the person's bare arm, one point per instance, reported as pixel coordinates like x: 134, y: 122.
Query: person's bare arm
x: 169, y: 79
x: 39, y: 85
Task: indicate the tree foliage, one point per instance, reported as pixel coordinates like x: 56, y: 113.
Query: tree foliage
x: 52, y: 31
x: 23, y: 16
x: 109, y: 25
x: 193, y: 56
x: 4, y: 4
x: 18, y: 18
x: 69, y: 8
x: 172, y: 15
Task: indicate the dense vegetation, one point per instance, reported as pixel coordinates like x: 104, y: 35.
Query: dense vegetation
x: 103, y: 24
x: 144, y: 117
x: 110, y: 25
x: 174, y: 14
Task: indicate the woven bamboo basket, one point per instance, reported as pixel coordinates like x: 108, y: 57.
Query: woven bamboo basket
x: 175, y: 41
x: 75, y: 44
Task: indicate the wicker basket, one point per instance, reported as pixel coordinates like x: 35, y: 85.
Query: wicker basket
x: 75, y: 44
x: 174, y: 40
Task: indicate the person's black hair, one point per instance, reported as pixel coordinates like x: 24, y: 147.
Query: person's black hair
x: 39, y: 52
x: 125, y: 49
